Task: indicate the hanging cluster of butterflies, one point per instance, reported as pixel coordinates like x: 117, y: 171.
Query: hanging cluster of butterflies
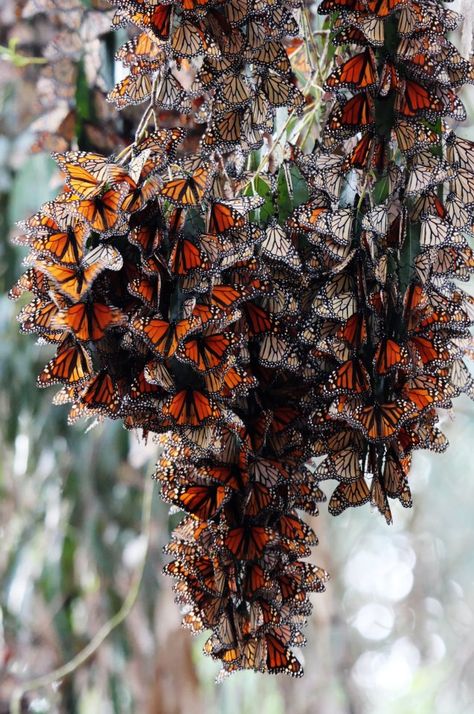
x: 389, y: 220
x: 162, y: 299
x: 223, y: 62
x: 251, y: 347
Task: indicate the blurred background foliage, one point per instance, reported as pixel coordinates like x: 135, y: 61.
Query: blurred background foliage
x: 393, y: 634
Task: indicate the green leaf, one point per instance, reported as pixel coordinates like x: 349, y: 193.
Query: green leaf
x: 260, y: 187
x: 293, y: 195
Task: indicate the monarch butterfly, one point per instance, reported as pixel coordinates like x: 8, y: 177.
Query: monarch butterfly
x: 142, y: 186
x: 426, y: 170
x: 277, y: 246
x: 308, y: 214
x: 38, y: 316
x: 357, y: 113
x: 266, y: 471
x: 232, y: 383
x: 425, y: 391
x: 415, y: 302
x: 347, y: 495
x: 459, y: 152
x: 75, y: 282
x: 187, y: 257
x: 212, y: 315
x: 71, y: 365
x: 155, y: 372
x: 225, y: 131
x: 188, y: 190
x: 370, y: 152
x: 340, y: 308
x: 390, y: 355
x: 152, y: 266
x: 33, y: 281
x: 280, y: 91
x: 62, y: 241
x: 442, y: 310
x: 207, y: 352
x: 213, y: 577
x: 192, y: 5
x: 379, y: 500
x: 233, y: 91
x: 147, y: 289
x: 271, y: 54
x: 273, y: 349
x: 360, y: 29
x: 143, y: 52
x: 222, y: 38
x: 353, y: 331
x: 394, y: 473
x: 436, y: 232
x: 100, y: 396
x: 453, y: 106
x: 460, y: 379
x: 228, y: 297
x: 87, y: 174
x: 228, y: 475
x: 135, y: 88
x: 280, y: 658
x: 343, y: 465
x: 223, y: 217
x: 429, y: 437
x: 171, y: 95
x: 453, y: 262
x: 104, y: 213
x: 379, y: 421
x: 456, y: 211
x: 147, y: 237
x: 256, y: 580
x: 292, y: 527
x: 189, y: 40
x: 414, y: 136
x: 236, y: 11
x: 342, y: 442
x: 359, y: 72
x: 462, y: 185
x: 383, y: 8
x: 162, y: 145
x: 202, y: 500
x: 163, y: 337
x: 248, y: 542
x: 429, y: 204
x: 190, y: 407
x: 259, y: 499
x: 89, y: 321
x: 350, y: 378
x: 416, y: 100
x: 141, y: 390
x: 156, y: 18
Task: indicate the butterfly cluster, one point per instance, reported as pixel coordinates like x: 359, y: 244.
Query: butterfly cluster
x: 389, y: 221
x: 248, y: 346
x: 166, y: 304
x: 223, y: 63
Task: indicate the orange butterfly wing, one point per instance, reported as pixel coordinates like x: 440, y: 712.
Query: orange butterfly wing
x: 223, y: 218
x: 89, y: 321
x: 102, y: 212
x: 358, y: 71
x: 71, y: 365
x: 190, y: 407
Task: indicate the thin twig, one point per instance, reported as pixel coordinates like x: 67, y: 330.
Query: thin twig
x: 78, y: 660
